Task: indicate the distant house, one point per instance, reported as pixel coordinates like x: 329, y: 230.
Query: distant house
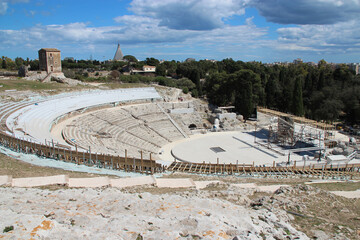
x: 146, y: 70
x: 190, y: 60
x: 298, y: 61
x: 49, y: 60
x: 355, y: 67
x: 69, y: 59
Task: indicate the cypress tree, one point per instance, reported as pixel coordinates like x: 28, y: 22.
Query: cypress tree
x: 198, y: 83
x: 3, y: 64
x: 244, y: 99
x: 298, y: 104
x: 321, y: 82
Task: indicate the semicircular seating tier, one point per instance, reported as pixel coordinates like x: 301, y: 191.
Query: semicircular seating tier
x: 33, y: 120
x: 106, y: 122
x: 138, y: 127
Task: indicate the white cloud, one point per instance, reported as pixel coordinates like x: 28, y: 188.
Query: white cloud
x: 135, y: 30
x: 136, y: 20
x: 189, y: 14
x: 335, y: 38
x: 17, y: 1
x: 308, y: 11
x: 4, y: 5
x: 190, y: 26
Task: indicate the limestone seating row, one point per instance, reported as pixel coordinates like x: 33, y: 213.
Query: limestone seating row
x: 95, y: 124
x: 85, y: 136
x: 79, y: 137
x: 142, y: 109
x: 67, y: 133
x: 99, y: 125
x: 153, y: 117
x: 61, y: 104
x: 85, y: 140
x: 39, y: 119
x: 170, y: 105
x: 92, y: 123
x: 130, y: 139
x: 166, y: 128
x: 7, y: 105
x: 185, y: 120
x: 119, y: 148
x: 128, y: 123
x: 112, y: 116
x: 113, y: 130
x: 133, y: 145
x: 140, y: 139
x: 98, y: 182
x: 148, y: 134
x: 8, y: 108
x: 40, y: 124
x: 125, y: 131
x: 110, y: 146
x: 180, y: 121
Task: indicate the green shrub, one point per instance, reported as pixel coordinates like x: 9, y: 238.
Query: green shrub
x: 8, y: 229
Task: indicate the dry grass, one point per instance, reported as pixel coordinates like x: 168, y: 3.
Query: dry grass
x: 36, y: 86
x: 341, y: 186
x: 329, y: 213
x: 236, y: 179
x: 125, y: 85
x: 20, y: 169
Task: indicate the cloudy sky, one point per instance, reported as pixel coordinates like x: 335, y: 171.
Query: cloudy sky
x: 247, y: 30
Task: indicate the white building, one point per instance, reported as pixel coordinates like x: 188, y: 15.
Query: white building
x: 355, y: 67
x: 298, y: 61
x: 147, y: 68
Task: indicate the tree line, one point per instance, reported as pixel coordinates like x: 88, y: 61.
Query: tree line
x: 320, y: 92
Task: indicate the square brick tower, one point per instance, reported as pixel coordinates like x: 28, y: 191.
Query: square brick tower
x: 49, y: 60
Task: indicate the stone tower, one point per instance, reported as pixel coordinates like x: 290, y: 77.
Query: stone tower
x: 49, y: 60
x: 118, y: 55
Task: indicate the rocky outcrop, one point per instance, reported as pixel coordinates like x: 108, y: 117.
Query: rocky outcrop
x: 114, y: 214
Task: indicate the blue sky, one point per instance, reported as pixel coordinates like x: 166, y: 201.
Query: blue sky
x: 247, y: 30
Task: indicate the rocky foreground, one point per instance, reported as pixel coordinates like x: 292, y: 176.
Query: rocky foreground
x: 220, y: 211
x: 114, y: 214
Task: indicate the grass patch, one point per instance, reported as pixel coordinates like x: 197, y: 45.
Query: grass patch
x: 22, y: 85
x: 52, y: 88
x: 20, y: 169
x: 115, y: 85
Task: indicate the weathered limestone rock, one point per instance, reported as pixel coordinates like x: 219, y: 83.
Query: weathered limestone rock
x: 23, y: 71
